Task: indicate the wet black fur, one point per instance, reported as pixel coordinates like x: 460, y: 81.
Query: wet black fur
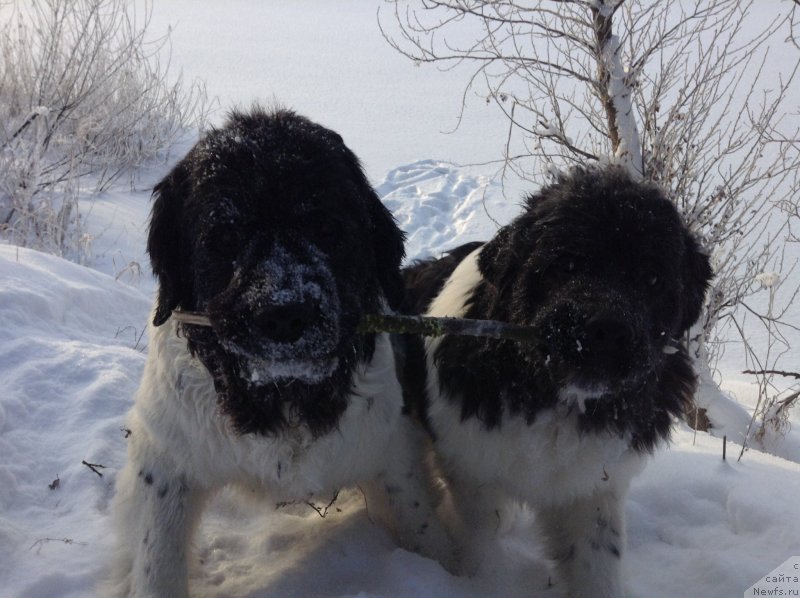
x: 265, y: 176
x: 593, y: 245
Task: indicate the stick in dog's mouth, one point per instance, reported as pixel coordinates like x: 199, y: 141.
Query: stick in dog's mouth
x: 422, y: 325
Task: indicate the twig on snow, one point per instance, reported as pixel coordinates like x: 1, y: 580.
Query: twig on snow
x: 94, y: 467
x: 42, y: 541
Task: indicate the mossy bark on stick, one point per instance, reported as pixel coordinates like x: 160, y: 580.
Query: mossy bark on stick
x: 428, y: 326
x: 422, y: 325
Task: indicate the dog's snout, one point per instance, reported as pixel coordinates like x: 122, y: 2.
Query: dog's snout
x: 609, y: 334
x: 610, y: 340
x: 285, y: 323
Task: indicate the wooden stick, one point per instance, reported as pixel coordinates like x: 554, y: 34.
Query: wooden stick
x: 428, y: 326
x: 423, y: 325
x: 191, y: 317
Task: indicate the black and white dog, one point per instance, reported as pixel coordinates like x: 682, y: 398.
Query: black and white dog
x: 607, y: 274
x: 270, y: 228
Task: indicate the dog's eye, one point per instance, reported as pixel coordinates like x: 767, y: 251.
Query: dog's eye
x: 652, y: 280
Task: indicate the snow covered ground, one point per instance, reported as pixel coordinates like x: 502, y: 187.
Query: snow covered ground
x: 72, y: 348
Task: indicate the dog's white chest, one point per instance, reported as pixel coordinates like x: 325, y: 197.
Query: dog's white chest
x: 178, y: 405
x: 546, y: 461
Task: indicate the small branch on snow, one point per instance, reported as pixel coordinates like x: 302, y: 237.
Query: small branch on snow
x: 323, y: 511
x: 776, y: 372
x: 423, y: 325
x: 42, y: 541
x: 94, y: 467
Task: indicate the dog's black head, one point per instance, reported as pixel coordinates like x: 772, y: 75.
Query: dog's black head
x: 269, y: 226
x: 608, y: 274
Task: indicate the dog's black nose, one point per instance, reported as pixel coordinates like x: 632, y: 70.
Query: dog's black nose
x: 610, y: 340
x: 285, y: 323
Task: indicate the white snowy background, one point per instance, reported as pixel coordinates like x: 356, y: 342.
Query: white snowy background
x: 72, y: 348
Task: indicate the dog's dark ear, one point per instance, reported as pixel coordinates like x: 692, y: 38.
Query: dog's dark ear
x: 388, y: 241
x: 697, y: 275
x: 389, y: 244
x: 165, y: 242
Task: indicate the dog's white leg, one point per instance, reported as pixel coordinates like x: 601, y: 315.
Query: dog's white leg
x: 472, y: 513
x: 403, y: 500
x: 587, y: 538
x: 156, y: 508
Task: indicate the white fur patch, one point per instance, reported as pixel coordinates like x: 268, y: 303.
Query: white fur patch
x: 450, y: 301
x: 576, y: 396
x: 542, y: 463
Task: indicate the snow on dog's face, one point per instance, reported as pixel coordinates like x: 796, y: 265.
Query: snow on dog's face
x: 281, y: 315
x: 270, y: 227
x: 603, y: 268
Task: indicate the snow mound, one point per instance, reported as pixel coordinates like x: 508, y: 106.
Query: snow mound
x: 441, y: 205
x: 70, y: 359
x: 701, y: 526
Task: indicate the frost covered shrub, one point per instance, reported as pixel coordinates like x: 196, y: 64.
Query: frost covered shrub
x: 82, y: 94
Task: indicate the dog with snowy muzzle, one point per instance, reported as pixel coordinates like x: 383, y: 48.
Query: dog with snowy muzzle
x: 607, y: 277
x: 268, y: 228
